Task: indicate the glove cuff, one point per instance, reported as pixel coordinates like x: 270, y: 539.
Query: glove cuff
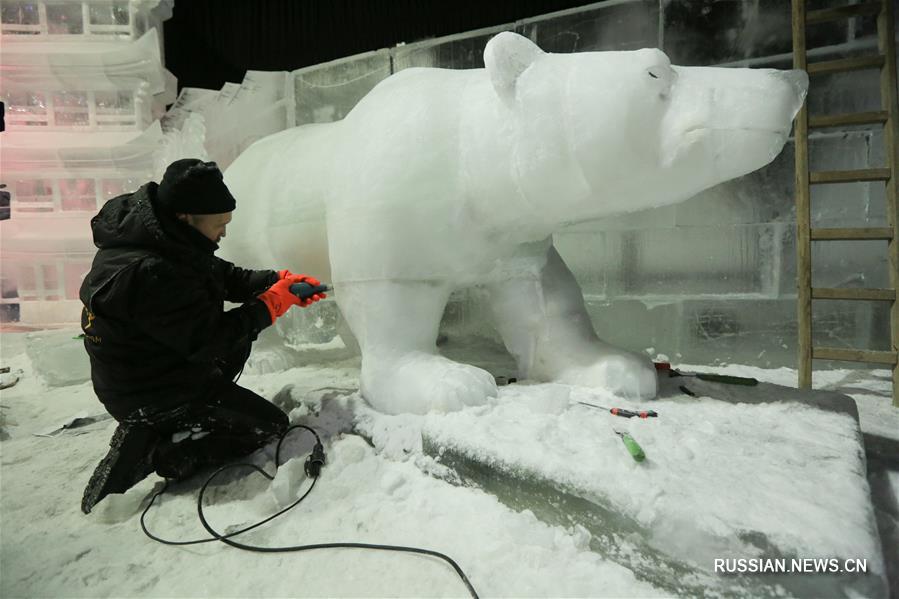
x: 261, y: 317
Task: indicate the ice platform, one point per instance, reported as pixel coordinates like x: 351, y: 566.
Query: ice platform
x: 735, y: 472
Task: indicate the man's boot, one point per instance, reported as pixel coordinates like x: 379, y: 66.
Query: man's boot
x: 175, y: 461
x: 127, y: 463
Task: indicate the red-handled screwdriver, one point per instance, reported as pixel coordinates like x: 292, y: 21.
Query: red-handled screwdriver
x: 622, y: 412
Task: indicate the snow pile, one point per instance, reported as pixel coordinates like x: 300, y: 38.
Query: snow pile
x: 363, y: 495
x: 735, y: 461
x: 713, y: 472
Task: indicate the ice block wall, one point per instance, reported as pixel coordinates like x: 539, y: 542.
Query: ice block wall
x: 711, y: 280
x: 218, y: 125
x: 83, y: 84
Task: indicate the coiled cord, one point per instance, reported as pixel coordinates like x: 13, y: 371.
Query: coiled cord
x: 313, y: 466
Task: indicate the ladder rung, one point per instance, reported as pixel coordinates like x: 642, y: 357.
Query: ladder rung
x: 855, y: 118
x: 853, y: 176
x: 884, y: 233
x: 854, y: 355
x: 853, y: 294
x: 842, y: 12
x: 845, y: 64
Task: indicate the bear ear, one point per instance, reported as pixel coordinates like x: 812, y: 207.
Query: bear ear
x: 506, y: 57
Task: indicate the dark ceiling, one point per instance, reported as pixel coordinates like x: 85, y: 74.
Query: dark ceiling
x: 209, y: 42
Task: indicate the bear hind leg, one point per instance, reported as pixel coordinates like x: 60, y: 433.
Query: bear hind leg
x: 545, y: 325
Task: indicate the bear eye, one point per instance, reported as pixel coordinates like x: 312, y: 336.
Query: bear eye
x: 653, y: 75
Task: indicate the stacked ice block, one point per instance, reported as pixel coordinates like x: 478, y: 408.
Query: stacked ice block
x: 83, y: 84
x: 219, y: 125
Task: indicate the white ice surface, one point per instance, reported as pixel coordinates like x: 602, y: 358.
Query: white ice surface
x: 382, y: 494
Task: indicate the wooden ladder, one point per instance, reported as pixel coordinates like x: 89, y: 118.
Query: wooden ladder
x: 888, y: 116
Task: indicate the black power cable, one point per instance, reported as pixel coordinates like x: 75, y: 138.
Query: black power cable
x: 258, y: 469
x: 313, y: 467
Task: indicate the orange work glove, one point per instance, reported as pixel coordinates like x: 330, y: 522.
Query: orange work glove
x: 278, y: 298
x: 315, y: 283
x: 283, y: 274
x: 311, y: 300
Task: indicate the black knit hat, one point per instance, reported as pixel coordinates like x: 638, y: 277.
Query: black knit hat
x: 191, y: 186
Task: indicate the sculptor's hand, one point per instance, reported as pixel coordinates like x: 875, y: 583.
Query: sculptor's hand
x: 285, y: 274
x: 311, y: 281
x: 278, y: 298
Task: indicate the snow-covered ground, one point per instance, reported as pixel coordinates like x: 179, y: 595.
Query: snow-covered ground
x: 379, y: 489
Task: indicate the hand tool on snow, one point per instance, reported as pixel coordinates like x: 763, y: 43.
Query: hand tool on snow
x: 633, y: 447
x: 622, y: 412
x: 630, y: 444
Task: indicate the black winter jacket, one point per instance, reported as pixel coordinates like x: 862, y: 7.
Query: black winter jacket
x: 153, y: 319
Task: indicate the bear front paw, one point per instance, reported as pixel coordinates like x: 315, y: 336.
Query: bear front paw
x: 625, y: 375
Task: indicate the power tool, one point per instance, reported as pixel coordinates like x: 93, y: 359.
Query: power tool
x: 304, y: 290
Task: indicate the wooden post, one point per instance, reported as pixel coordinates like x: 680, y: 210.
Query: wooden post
x: 886, y: 33
x: 803, y: 214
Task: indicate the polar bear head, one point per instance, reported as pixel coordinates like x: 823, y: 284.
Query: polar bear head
x: 609, y: 132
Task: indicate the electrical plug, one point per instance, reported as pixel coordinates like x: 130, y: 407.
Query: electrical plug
x: 315, y: 461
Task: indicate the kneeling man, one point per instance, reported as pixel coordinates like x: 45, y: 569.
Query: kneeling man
x: 164, y: 353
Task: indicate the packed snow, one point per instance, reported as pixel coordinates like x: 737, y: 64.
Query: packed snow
x: 378, y: 486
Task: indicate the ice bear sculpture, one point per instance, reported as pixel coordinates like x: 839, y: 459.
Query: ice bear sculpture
x: 440, y: 179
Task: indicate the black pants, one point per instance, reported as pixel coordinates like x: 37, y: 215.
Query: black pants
x: 236, y: 422
x: 228, y: 423
x: 231, y: 422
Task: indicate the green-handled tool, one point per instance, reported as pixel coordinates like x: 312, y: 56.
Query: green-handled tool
x: 633, y: 447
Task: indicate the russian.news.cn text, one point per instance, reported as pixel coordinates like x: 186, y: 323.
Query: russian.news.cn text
x: 808, y: 565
